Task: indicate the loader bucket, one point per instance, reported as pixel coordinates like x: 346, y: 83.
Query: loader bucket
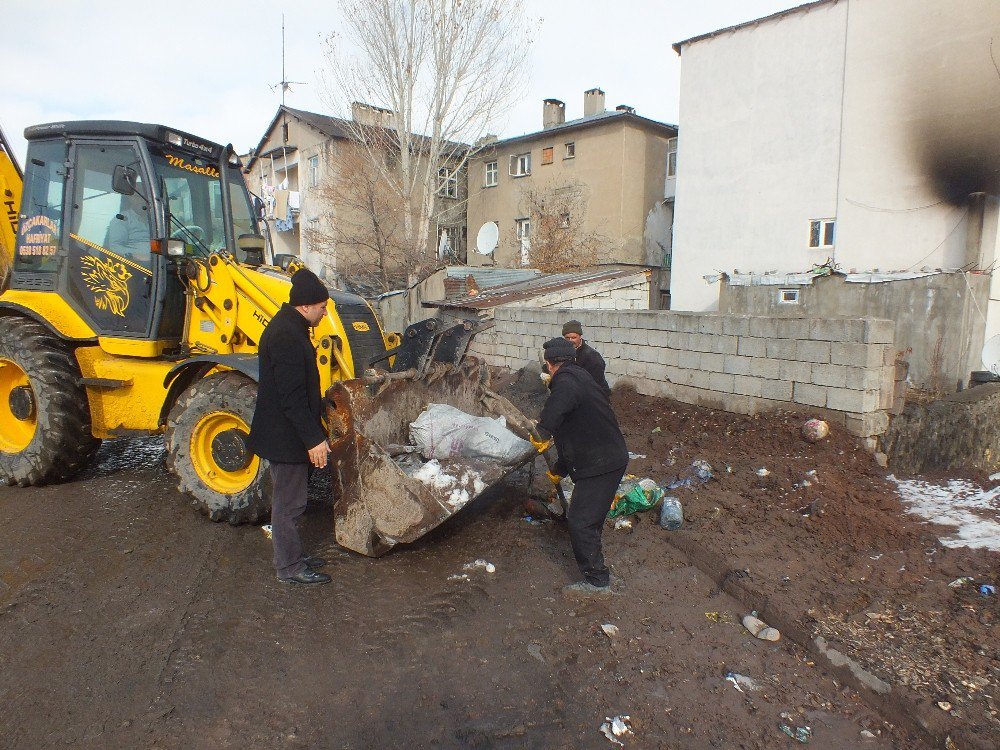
x: 379, y: 504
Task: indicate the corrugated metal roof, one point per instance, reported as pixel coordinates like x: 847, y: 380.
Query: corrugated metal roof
x: 780, y: 14
x: 488, y: 276
x: 536, y: 287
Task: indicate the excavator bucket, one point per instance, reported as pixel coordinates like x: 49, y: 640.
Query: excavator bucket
x: 383, y: 493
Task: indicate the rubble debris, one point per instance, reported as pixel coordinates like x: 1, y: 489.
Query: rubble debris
x: 616, y: 727
x: 266, y: 528
x: 944, y: 705
x: 633, y: 456
x: 741, y: 682
x: 481, y: 563
x: 815, y: 430
x: 610, y: 630
x: 987, y: 590
x: 959, y: 582
x: 763, y: 472
x: 536, y: 652
x: 760, y: 629
x: 624, y: 523
x: 799, y: 734
x: 459, y: 577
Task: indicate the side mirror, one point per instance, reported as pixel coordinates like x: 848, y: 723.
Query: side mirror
x: 252, y: 246
x: 124, y: 180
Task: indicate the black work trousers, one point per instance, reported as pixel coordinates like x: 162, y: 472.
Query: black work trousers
x: 288, y: 503
x: 592, y: 498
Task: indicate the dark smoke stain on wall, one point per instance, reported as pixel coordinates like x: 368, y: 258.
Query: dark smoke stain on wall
x: 958, y: 123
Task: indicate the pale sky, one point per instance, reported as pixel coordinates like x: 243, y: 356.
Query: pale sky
x: 206, y: 67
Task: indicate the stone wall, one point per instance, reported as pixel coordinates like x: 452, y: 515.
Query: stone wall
x: 842, y: 369
x: 961, y: 431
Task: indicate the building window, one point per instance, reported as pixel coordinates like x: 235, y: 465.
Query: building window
x: 672, y: 157
x: 520, y: 165
x: 570, y: 150
x: 821, y: 232
x: 547, y: 155
x: 523, y: 231
x: 492, y: 174
x: 447, y: 183
x: 313, y: 171
x: 788, y: 296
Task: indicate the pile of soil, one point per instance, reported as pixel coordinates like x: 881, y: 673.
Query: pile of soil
x: 819, y: 529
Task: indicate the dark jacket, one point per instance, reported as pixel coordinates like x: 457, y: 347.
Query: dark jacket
x: 579, y: 415
x: 286, y: 421
x: 590, y: 360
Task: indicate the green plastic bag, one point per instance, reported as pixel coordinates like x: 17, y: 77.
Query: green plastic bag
x: 634, y: 497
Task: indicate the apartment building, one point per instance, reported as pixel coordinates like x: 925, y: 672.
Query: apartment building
x: 610, y: 166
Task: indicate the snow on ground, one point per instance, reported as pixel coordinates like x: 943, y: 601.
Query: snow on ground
x: 972, y: 510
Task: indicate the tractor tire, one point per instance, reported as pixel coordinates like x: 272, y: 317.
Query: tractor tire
x: 206, y: 449
x: 45, y: 432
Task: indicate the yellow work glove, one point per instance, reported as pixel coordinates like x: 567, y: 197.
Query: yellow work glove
x: 540, y: 445
x: 554, y: 478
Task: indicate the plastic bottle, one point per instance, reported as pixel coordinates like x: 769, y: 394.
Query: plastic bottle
x: 671, y: 514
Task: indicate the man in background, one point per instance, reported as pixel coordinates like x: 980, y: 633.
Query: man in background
x: 586, y: 356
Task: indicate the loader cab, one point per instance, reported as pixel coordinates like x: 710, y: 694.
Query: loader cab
x: 112, y: 211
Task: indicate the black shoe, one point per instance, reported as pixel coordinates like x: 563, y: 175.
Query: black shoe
x: 313, y: 562
x: 306, y: 576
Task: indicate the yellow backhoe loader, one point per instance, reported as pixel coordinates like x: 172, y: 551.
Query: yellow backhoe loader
x: 138, y: 290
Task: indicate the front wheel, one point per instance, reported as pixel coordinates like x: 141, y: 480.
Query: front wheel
x: 206, y: 443
x: 45, y: 432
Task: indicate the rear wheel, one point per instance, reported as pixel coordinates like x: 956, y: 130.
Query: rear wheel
x: 45, y: 433
x: 206, y: 439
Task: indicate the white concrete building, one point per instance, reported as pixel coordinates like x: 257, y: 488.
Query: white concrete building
x: 854, y: 130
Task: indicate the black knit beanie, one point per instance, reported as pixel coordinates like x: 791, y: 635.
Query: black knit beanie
x: 307, y: 289
x: 572, y: 326
x: 558, y: 350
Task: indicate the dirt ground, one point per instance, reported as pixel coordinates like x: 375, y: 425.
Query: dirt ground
x: 127, y: 619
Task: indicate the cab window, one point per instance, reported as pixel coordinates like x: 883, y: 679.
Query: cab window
x: 40, y: 223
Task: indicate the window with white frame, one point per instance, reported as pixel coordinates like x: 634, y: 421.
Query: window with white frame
x: 570, y: 150
x: 788, y: 296
x: 447, y: 183
x: 520, y: 165
x: 522, y: 229
x: 672, y: 157
x: 492, y: 176
x: 313, y: 171
x: 821, y: 232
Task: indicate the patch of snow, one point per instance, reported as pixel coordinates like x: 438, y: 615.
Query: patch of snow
x: 958, y: 503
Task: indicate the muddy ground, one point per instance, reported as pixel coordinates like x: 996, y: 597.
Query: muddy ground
x: 127, y: 619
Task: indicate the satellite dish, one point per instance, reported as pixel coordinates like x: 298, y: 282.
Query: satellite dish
x: 486, y: 240
x: 991, y: 355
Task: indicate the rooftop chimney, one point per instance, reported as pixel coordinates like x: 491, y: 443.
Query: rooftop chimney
x: 593, y: 102
x: 625, y: 108
x: 369, y: 114
x: 553, y: 113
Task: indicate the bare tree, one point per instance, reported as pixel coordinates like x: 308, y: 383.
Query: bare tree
x: 444, y: 70
x: 361, y: 230
x: 559, y: 239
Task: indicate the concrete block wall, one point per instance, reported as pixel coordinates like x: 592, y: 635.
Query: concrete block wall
x: 841, y: 369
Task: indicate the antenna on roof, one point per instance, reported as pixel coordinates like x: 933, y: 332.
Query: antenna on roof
x: 283, y: 83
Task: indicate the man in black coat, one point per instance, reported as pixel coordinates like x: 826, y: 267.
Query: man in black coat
x: 286, y: 428
x: 587, y: 356
x: 592, y: 451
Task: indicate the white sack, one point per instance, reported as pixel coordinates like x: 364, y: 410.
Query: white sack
x: 442, y: 431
